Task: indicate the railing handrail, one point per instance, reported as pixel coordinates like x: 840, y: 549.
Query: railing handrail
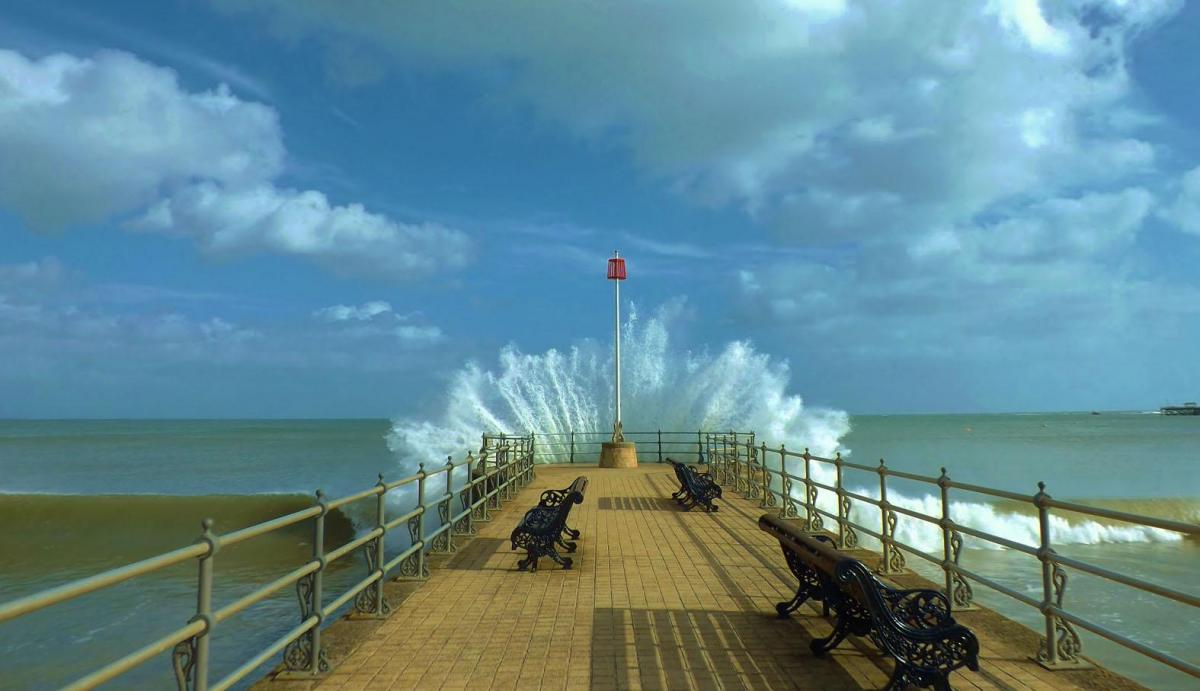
x: 744, y: 463
x: 487, y: 483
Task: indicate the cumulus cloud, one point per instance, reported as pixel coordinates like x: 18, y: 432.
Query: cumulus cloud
x: 994, y: 149
x: 87, y: 140
x: 84, y: 139
x: 820, y: 118
x: 345, y: 239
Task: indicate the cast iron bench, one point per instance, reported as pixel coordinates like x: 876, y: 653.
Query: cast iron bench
x: 695, y: 488
x: 914, y: 627
x: 544, y: 525
x: 553, y: 497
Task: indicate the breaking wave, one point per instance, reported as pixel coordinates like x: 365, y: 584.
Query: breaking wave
x: 670, y: 388
x: 663, y: 387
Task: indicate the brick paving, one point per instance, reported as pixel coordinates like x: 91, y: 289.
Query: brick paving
x: 657, y: 599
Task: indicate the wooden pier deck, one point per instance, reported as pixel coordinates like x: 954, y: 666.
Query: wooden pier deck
x: 657, y: 599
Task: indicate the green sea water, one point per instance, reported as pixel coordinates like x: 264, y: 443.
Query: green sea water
x: 80, y: 496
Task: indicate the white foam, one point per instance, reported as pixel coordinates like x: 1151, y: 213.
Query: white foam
x: 1015, y: 527
x: 669, y: 388
x: 663, y: 387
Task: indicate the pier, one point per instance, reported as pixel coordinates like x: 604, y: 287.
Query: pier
x: 657, y: 598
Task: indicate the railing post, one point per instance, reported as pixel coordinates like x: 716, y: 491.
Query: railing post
x: 944, y: 483
x: 1061, y: 647
x: 812, y: 518
x: 446, y: 511
x: 470, y: 490
x: 785, y: 485
x: 510, y: 456
x: 572, y: 446
x: 379, y: 557
x: 420, y: 525
x: 731, y: 443
x: 847, y: 538
x: 416, y: 567
x: 204, y: 605
x: 957, y: 588
x: 893, y: 558
x: 305, y: 654
x: 483, y: 464
x: 751, y: 472
x: 768, y: 499
x: 699, y: 447
x: 660, y: 460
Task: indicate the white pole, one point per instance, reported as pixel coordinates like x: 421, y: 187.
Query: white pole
x: 617, y: 341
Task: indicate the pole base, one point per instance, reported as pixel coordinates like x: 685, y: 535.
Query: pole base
x: 618, y: 454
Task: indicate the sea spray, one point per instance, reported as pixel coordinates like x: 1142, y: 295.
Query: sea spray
x: 671, y: 388
x: 665, y: 387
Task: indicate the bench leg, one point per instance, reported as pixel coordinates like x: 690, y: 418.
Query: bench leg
x: 569, y: 546
x: 902, y: 678
x: 573, y: 534
x: 529, y: 562
x: 785, y: 609
x: 565, y: 561
x: 820, y: 646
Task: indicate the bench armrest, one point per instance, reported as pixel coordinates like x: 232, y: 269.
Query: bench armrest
x: 920, y: 608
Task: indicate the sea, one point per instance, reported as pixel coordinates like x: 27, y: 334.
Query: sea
x: 80, y: 496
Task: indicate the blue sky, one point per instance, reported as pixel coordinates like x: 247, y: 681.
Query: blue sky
x: 270, y: 208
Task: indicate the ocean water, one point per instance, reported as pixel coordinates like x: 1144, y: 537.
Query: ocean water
x: 77, y: 497
x: 80, y: 496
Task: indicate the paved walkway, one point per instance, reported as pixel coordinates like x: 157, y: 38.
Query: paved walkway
x: 657, y: 599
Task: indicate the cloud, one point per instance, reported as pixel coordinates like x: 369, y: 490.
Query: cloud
x: 1185, y: 211
x: 1063, y: 268
x: 344, y: 239
x: 56, y: 325
x: 818, y: 118
x: 419, y: 335
x: 376, y: 318
x: 86, y: 140
x: 365, y: 312
x: 955, y: 154
x: 35, y: 277
x: 50, y: 326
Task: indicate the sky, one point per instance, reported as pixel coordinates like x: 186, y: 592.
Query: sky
x: 294, y: 208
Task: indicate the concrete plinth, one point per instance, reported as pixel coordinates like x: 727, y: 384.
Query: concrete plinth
x: 618, y: 454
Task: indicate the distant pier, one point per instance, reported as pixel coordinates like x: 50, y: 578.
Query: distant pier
x: 1189, y: 408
